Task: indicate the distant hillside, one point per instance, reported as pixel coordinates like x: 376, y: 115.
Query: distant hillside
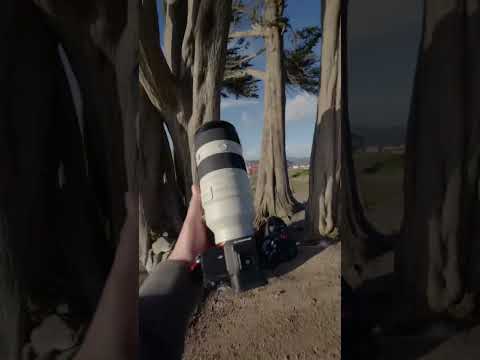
x: 290, y: 161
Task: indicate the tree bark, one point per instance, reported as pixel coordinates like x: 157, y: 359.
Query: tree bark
x: 437, y: 260
x: 273, y: 195
x: 155, y: 75
x: 126, y: 67
x: 321, y: 216
x: 55, y: 230
x: 91, y: 56
x: 195, y: 47
x: 210, y: 32
x: 162, y: 206
x: 361, y: 241
x: 175, y: 26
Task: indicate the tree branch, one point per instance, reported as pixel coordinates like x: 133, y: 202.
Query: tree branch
x: 248, y: 58
x: 157, y: 80
x: 255, y: 31
x: 154, y: 73
x: 246, y: 72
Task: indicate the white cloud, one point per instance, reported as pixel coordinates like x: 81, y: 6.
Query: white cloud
x: 231, y: 103
x: 301, y: 107
x: 298, y: 150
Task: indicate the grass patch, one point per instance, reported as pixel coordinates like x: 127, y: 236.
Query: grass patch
x: 300, y: 173
x: 386, y: 165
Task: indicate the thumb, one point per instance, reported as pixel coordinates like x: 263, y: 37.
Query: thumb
x: 195, y: 208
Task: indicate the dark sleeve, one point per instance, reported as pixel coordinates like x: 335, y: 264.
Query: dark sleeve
x: 167, y: 299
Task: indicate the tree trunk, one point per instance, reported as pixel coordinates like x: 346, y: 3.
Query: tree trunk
x: 360, y: 240
x: 195, y: 48
x: 437, y: 260
x: 162, y: 206
x: 103, y: 132
x: 11, y: 302
x: 273, y: 195
x: 126, y: 67
x: 54, y: 231
x: 324, y: 181
x: 209, y: 27
x: 176, y: 17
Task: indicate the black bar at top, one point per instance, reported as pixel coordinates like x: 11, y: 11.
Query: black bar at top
x: 215, y: 130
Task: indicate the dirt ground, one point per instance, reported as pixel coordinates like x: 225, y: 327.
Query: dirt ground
x: 296, y: 316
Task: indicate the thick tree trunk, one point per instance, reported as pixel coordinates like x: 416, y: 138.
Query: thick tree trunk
x: 11, y: 336
x: 360, y: 240
x: 321, y: 216
x: 273, y: 195
x: 126, y: 67
x: 195, y: 48
x: 103, y: 132
x: 162, y: 206
x: 437, y: 260
x: 24, y: 242
x: 62, y: 193
x: 175, y: 26
x: 55, y: 244
x: 209, y: 27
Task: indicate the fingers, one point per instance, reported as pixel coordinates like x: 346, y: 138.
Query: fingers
x: 195, y: 190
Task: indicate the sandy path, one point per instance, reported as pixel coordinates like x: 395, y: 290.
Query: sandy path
x: 297, y: 316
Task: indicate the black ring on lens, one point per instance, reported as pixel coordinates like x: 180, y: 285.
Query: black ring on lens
x: 215, y: 130
x: 220, y: 161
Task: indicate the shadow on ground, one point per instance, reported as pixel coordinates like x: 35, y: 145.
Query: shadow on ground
x: 374, y: 328
x: 305, y: 251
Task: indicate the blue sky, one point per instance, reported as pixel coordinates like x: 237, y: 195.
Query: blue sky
x: 247, y: 114
x: 383, y: 39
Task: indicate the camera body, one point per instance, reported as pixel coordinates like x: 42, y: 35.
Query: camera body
x: 228, y: 205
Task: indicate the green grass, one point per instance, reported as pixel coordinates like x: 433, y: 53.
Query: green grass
x: 378, y: 163
x: 298, y: 180
x: 300, y: 173
x: 393, y: 164
x: 380, y: 181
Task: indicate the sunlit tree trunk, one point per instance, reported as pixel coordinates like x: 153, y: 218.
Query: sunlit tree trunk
x: 321, y: 217
x: 273, y: 195
x: 184, y: 87
x: 200, y: 68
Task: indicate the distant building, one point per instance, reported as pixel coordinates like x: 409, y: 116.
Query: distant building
x: 252, y: 169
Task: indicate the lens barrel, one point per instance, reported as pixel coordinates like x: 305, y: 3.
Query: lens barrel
x: 228, y: 205
x: 224, y: 183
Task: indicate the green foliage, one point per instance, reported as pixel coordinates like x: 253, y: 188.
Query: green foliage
x: 302, y: 66
x: 245, y: 86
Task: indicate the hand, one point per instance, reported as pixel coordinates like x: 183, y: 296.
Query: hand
x: 193, y: 237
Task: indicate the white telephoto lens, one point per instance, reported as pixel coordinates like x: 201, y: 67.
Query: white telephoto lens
x: 224, y: 184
